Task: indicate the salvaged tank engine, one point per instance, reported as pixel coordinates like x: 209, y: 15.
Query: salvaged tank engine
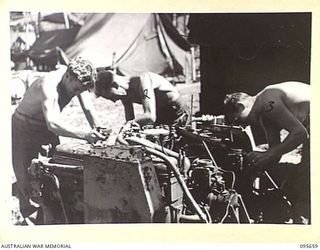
x: 196, y: 174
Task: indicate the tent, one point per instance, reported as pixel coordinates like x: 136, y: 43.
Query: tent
x: 46, y: 49
x: 132, y: 42
x: 136, y: 42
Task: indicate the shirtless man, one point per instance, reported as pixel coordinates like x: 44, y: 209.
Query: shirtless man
x: 37, y: 120
x: 160, y: 100
x: 279, y: 106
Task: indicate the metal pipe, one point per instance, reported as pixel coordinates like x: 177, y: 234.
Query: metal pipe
x: 166, y: 151
x: 209, y: 153
x: 191, y: 107
x: 271, y: 180
x: 152, y: 149
x: 180, y: 181
x: 194, y: 218
x: 57, y: 193
x: 120, y: 139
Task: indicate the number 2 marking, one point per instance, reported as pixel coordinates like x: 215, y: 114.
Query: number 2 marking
x: 145, y: 94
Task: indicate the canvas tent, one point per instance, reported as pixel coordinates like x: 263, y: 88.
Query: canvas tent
x: 45, y: 50
x: 134, y: 42
x: 139, y: 42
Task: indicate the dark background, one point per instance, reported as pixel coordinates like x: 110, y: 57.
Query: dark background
x: 246, y: 52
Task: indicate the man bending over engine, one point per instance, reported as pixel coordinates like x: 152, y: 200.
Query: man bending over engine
x: 160, y: 100
x: 278, y: 106
x: 37, y: 120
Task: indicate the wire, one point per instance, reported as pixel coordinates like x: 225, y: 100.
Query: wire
x: 56, y: 182
x: 271, y: 180
x: 216, y: 165
x: 233, y: 176
x: 226, y: 213
x: 180, y: 181
x: 235, y: 214
x: 244, y: 208
x: 233, y: 179
x: 209, y: 153
x: 208, y: 215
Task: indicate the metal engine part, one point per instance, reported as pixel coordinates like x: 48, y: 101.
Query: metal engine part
x: 114, y: 185
x: 208, y: 186
x: 227, y: 147
x: 184, y: 175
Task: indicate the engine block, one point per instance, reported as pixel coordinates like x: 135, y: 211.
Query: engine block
x: 115, y: 184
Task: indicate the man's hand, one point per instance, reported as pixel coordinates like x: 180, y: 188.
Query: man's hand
x: 130, y: 125
x: 260, y: 160
x: 94, y: 136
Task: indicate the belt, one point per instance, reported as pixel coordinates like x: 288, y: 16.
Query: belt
x: 29, y: 120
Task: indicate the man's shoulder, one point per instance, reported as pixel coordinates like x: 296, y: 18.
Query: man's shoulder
x: 266, y: 100
x: 48, y: 83
x: 55, y: 76
x: 271, y: 91
x: 283, y: 86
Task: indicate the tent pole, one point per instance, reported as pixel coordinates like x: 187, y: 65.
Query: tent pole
x: 39, y: 24
x: 193, y: 66
x: 66, y: 20
x: 114, y: 66
x: 174, y: 21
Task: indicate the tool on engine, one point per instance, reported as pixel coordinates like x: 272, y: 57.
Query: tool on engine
x: 102, y: 143
x: 104, y: 131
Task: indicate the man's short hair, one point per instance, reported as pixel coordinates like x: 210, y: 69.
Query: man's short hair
x: 83, y: 70
x: 231, y: 100
x: 104, y: 80
x: 231, y: 107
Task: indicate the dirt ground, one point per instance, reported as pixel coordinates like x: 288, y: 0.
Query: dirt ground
x: 112, y: 116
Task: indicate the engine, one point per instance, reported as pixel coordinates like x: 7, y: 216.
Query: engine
x: 196, y: 174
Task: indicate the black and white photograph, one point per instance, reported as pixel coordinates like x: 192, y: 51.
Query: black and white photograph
x: 165, y: 123
x: 160, y: 118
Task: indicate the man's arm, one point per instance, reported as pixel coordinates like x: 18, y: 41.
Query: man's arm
x: 85, y: 99
x: 128, y: 110
x: 55, y: 124
x: 272, y: 132
x: 273, y: 135
x: 148, y: 102
x: 282, y: 118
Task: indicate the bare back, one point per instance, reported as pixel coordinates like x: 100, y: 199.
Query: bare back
x: 163, y: 90
x: 31, y: 104
x: 294, y: 95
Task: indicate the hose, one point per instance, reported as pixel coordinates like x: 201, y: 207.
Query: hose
x: 157, y: 147
x: 194, y: 218
x: 180, y: 181
x: 216, y: 165
x: 57, y: 193
x: 153, y: 150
